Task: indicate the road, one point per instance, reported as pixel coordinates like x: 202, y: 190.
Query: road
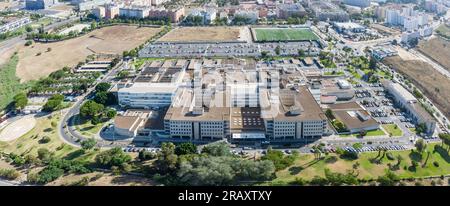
x: 6, y: 183
x: 68, y: 133
x: 434, y: 64
x: 20, y: 40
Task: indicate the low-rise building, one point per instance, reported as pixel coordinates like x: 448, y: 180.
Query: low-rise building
x: 131, y: 122
x: 354, y: 117
x: 407, y: 101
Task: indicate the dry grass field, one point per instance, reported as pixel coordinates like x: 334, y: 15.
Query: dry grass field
x: 437, y: 49
x: 37, y: 61
x: 435, y: 85
x: 202, y: 34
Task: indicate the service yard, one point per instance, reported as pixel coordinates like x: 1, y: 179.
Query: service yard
x: 205, y: 34
x: 437, y: 49
x: 38, y: 60
x: 283, y: 34
x: 435, y: 85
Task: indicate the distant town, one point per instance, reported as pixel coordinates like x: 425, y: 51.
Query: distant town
x: 225, y: 92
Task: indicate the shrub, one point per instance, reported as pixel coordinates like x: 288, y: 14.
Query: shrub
x: 146, y: 155
x: 390, y: 156
x: 298, y: 181
x: 436, y: 164
x: 49, y: 174
x: 45, y: 140
x: 44, y: 154
x: 28, y: 43
x: 9, y: 174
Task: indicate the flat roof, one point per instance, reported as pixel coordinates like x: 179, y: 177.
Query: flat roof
x: 149, y: 88
x: 347, y: 113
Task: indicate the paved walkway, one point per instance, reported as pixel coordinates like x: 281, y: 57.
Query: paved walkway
x: 18, y: 128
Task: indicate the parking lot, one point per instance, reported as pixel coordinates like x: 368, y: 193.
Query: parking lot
x: 167, y: 50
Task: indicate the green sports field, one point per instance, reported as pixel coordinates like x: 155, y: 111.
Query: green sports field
x: 284, y: 34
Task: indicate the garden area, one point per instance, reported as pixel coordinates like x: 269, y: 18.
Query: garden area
x: 392, y: 130
x: 430, y: 160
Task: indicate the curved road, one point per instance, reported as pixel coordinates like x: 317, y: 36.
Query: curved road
x: 66, y: 132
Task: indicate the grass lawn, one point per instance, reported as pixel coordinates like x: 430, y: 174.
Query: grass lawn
x: 339, y: 73
x: 307, y: 167
x: 29, y: 143
x: 393, y: 129
x: 284, y: 34
x: 85, y: 127
x: 371, y: 133
x: 9, y: 84
x: 377, y: 132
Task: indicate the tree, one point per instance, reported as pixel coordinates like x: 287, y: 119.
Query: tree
x: 420, y: 145
x: 373, y: 63
x: 217, y: 149
x: 357, y: 145
x: 277, y: 50
x: 146, y: 155
x: 20, y: 101
x: 90, y: 109
x: 329, y: 113
x: 399, y: 160
x: 44, y: 154
x: 421, y: 128
x: 279, y: 160
x: 264, y: 54
x: 101, y: 97
x: 53, y: 103
x: 112, y: 157
x: 88, y: 144
x: 301, y: 53
x: 111, y: 113
x: 186, y: 148
x: 122, y: 74
x: 167, y: 159
x: 102, y: 87
x: 28, y: 28
x: 389, y: 179
x: 28, y: 43
x: 362, y: 133
x: 445, y: 138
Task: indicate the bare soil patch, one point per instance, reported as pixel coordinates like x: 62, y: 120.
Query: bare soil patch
x: 203, y: 34
x: 435, y: 85
x: 437, y: 49
x: 36, y: 61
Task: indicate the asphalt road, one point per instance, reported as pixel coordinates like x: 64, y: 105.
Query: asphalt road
x: 66, y: 132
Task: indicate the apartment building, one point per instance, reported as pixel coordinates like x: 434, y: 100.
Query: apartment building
x: 285, y: 11
x: 139, y: 12
x: 358, y: 3
x: 39, y: 4
x: 174, y: 15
